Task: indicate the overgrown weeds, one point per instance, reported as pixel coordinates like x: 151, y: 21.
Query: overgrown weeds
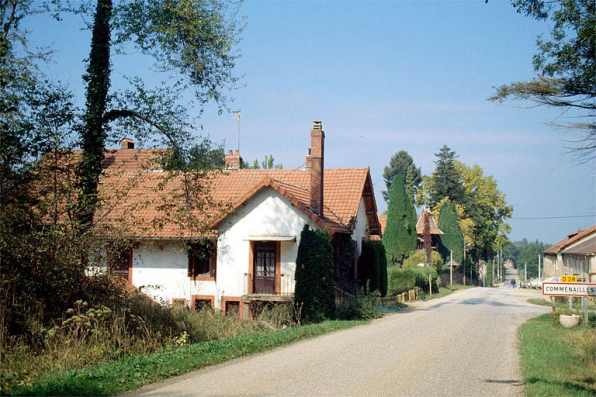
x: 87, y: 336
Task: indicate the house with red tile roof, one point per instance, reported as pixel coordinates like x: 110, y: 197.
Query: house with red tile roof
x: 435, y: 232
x: 236, y: 242
x: 575, y: 255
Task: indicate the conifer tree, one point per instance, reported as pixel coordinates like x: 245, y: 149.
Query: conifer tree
x: 399, y: 237
x: 314, y: 275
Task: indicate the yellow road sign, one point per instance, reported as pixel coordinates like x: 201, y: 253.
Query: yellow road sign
x: 569, y: 279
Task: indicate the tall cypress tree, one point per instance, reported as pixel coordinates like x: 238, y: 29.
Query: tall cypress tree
x: 314, y: 275
x: 399, y: 237
x: 453, y: 239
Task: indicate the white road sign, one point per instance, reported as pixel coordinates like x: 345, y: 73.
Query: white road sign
x: 568, y: 289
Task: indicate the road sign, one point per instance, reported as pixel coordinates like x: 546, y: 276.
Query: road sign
x: 569, y: 279
x: 568, y: 289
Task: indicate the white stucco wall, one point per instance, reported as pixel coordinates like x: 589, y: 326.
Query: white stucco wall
x: 160, y: 269
x: 361, y: 228
x: 265, y: 214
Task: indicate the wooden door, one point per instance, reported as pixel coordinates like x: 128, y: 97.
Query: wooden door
x: 264, y: 268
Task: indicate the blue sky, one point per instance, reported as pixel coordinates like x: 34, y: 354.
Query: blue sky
x: 384, y: 77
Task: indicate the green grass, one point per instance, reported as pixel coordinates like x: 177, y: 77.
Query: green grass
x: 556, y: 361
x: 135, y: 371
x: 562, y: 304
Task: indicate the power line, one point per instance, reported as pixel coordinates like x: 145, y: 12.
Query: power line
x: 556, y: 217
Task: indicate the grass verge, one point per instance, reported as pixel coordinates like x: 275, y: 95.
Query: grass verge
x: 556, y: 361
x: 132, y: 372
x: 563, y: 303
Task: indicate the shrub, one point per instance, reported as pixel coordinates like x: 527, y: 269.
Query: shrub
x: 362, y: 307
x: 372, y: 267
x: 418, y: 256
x: 314, y: 276
x: 405, y: 279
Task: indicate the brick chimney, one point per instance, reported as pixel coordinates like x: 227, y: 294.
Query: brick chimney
x: 127, y: 143
x: 233, y: 161
x: 315, y: 165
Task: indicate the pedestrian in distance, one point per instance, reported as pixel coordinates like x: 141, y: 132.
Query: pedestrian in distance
x: 513, y: 283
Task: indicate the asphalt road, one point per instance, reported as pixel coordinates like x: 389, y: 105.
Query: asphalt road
x: 460, y: 345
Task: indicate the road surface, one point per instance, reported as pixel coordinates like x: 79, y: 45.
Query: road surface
x: 460, y: 345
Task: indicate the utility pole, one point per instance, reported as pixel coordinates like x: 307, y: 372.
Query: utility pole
x: 451, y: 270
x: 538, y: 266
x: 526, y: 272
x: 464, y: 262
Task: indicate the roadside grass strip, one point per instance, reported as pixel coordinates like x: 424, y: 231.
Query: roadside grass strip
x: 132, y: 372
x: 557, y: 361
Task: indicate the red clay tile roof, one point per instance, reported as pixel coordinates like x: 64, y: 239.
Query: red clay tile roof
x: 148, y: 203
x: 573, y: 237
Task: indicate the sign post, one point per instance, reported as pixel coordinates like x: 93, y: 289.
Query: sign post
x: 570, y: 290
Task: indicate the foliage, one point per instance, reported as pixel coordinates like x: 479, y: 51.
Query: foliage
x: 372, y: 267
x: 565, y: 65
x: 314, y: 276
x: 445, y: 181
x: 344, y: 257
x: 268, y: 163
x: 45, y: 248
x: 404, y: 279
x: 403, y: 164
x: 487, y: 207
x: 452, y: 239
x: 399, y: 237
x: 529, y: 257
x: 362, y: 307
x: 417, y: 257
x: 556, y: 361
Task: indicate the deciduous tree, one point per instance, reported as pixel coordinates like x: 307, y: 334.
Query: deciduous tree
x: 565, y: 66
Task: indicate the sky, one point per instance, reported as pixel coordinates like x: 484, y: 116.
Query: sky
x: 385, y: 76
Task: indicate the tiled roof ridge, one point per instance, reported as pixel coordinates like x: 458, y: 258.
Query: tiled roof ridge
x: 572, y: 237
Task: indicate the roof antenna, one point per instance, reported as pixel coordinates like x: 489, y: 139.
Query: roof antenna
x: 237, y: 118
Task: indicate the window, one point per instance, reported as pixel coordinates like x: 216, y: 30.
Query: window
x: 201, y: 260
x: 232, y: 308
x: 201, y: 302
x: 178, y: 303
x: 120, y: 260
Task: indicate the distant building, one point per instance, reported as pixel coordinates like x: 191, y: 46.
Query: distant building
x: 575, y: 255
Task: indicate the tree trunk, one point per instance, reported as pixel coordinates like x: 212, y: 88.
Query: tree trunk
x: 93, y: 139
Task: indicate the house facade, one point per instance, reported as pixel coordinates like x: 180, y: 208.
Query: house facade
x: 575, y: 255
x: 254, y: 220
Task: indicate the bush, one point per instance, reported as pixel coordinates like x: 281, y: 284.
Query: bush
x: 372, y: 267
x: 362, y: 307
x: 418, y: 256
x: 314, y: 276
x: 405, y: 279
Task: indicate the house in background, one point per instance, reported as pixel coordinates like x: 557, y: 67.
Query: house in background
x: 435, y: 232
x: 575, y: 255
x: 255, y: 218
